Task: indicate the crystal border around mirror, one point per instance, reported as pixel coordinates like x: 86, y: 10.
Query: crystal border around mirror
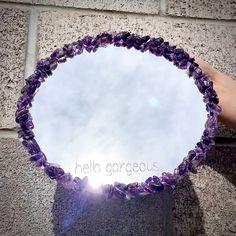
x: 156, y: 46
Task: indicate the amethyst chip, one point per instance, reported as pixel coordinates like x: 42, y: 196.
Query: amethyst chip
x: 53, y: 171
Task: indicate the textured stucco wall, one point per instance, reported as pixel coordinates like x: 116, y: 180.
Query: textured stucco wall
x: 30, y: 203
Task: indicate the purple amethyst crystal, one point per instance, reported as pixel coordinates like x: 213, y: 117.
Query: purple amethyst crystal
x: 191, y: 155
x: 147, y: 188
x: 181, y: 59
x: 206, y: 143
x: 67, y: 181
x: 108, y: 190
x: 43, y: 68
x: 192, y: 167
x: 212, y: 107
x: 156, y: 46
x: 201, y: 145
x: 26, y: 134
x: 182, y: 168
x: 33, y: 79
x: 69, y: 50
x: 22, y: 116
x: 39, y: 159
x: 31, y: 86
x: 27, y: 124
x: 148, y: 180
x: 130, y: 41
x: 199, y: 157
x: 24, y: 103
x: 53, y: 171
x: 202, y: 84
x: 197, y: 73
x: 121, y: 36
x: 183, y: 64
x: 144, y: 39
x: 156, y: 186
x: 209, y: 132
x: 32, y: 146
x: 138, y: 42
x: 78, y: 47
x: 210, y: 96
x: 133, y: 189
x: 120, y: 190
x: 53, y: 64
x: 168, y: 52
x: 155, y: 179
x: 191, y: 67
x: 211, y: 121
x: 87, y: 42
x: 119, y: 193
x: 157, y: 42
x: 103, y: 39
x: 168, y: 179
x: 57, y: 54
x: 169, y: 49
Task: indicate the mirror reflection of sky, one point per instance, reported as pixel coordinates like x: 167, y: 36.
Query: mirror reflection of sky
x: 118, y: 115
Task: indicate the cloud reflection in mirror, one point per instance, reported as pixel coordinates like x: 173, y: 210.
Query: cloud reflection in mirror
x: 118, y: 115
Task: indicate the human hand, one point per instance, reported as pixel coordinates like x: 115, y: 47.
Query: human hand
x: 225, y: 88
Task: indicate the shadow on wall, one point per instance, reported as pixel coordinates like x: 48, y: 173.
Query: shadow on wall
x: 150, y: 215
x: 175, y: 212
x: 224, y: 162
x: 188, y: 216
x: 166, y: 213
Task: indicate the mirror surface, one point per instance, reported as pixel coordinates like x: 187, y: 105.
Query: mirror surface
x: 118, y: 115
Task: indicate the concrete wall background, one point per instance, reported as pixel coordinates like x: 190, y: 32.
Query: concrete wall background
x: 32, y: 204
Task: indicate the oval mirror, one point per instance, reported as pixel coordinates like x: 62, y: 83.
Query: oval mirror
x: 120, y: 116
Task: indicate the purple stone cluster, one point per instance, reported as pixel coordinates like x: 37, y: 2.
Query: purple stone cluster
x: 156, y: 46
